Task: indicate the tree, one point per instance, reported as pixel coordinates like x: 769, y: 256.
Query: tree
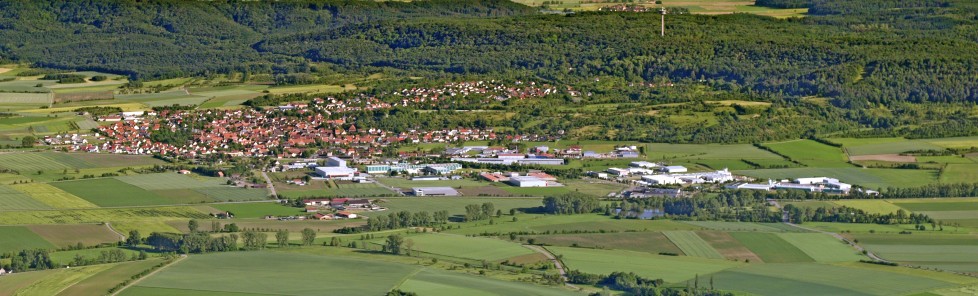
x: 394, y: 243
x: 192, y: 225
x: 134, y: 238
x: 408, y: 246
x: 28, y: 141
x: 488, y: 209
x: 308, y: 236
x: 282, y: 237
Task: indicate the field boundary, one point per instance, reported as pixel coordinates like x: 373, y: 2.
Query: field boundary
x: 133, y: 283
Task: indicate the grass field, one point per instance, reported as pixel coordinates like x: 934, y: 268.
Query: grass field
x: 443, y: 283
x: 234, y: 194
x: 13, y: 200
x: 468, y: 247
x: 771, y: 247
x: 454, y: 205
x: 957, y: 142
x: 261, y: 273
x: 9, y: 284
x: 960, y: 173
x: 53, y: 196
x: 101, y: 282
x: 741, y: 226
x: 593, y: 223
x: 109, y: 192
x: 692, y: 245
x: 811, y: 153
x: 100, y: 215
x: 659, y: 151
x: 649, y: 242
x: 950, y: 257
x: 596, y: 188
x: 25, y: 98
x: 956, y: 204
x: 870, y: 178
x: 822, y: 279
x: 258, y: 209
x: 16, y: 238
x: 69, y: 235
x: 822, y: 247
x: 870, y: 206
x: 408, y: 184
x: 57, y: 281
x: 164, y: 181
x: 871, y: 146
x: 670, y: 268
x: 32, y: 162
x: 115, y: 160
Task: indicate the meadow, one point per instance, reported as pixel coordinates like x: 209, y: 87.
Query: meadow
x: 258, y: 209
x: 822, y: 279
x: 443, y: 283
x: 649, y: 242
x: 822, y: 247
x: 458, y: 246
x: 672, y: 269
x: 15, y: 238
x: 811, y: 153
x: 53, y: 196
x: 12, y: 200
x: 873, y: 146
x: 55, y: 282
x: 959, y: 173
x: 568, y: 223
x: 71, y: 234
x: 100, y: 215
x: 770, y: 247
x: 692, y: 245
x: 110, y: 192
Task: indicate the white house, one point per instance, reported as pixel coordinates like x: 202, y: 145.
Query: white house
x: 334, y: 161
x: 643, y: 164
x: 675, y: 169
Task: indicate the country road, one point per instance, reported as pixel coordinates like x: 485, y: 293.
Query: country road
x: 557, y: 263
x: 271, y: 187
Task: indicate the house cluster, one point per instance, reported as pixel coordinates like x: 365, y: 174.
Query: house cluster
x: 67, y: 139
x: 491, y: 90
x: 816, y: 184
x: 323, y: 208
x: 531, y: 179
x: 627, y: 8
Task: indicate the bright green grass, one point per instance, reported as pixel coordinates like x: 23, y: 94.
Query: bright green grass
x: 338, y: 192
x: 52, y: 196
x: 740, y: 226
x: 163, y: 181
x: 234, y: 193
x: 221, y: 93
x: 596, y: 188
x: 16, y: 238
x: 12, y: 200
x: 891, y: 148
x: 114, y: 160
x: 62, y: 279
x: 649, y: 242
x: 183, y: 196
x: 811, y: 153
x: 755, y: 284
x: 918, y: 238
x: 870, y: 178
x: 719, y: 164
x: 182, y: 101
x: 957, y: 142
x: 108, y: 192
x: 951, y: 215
x: 927, y: 253
x: 822, y: 247
x: 669, y: 268
x: 258, y: 209
x: 960, y: 173
x: 846, y: 281
x: 811, y: 204
x: 152, y: 96
x: 280, y: 274
x: 25, y: 98
x: 945, y: 159
x: 874, y: 206
x: 859, y: 227
x: 148, y: 291
x: 437, y: 282
x: 955, y: 205
x: 706, y: 151
x: 591, y: 223
x: 31, y: 162
x: 103, y: 281
x: 454, y: 205
x: 771, y: 247
x: 692, y: 244
x: 458, y: 246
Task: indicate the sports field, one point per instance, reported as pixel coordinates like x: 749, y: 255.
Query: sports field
x: 670, y: 268
x: 771, y: 247
x: 110, y: 192
x: 692, y: 245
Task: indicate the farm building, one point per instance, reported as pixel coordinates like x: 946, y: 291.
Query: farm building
x: 336, y: 173
x: 675, y: 169
x: 434, y: 191
x: 347, y: 215
x: 542, y: 176
x: 316, y: 202
x: 527, y: 181
x: 661, y: 179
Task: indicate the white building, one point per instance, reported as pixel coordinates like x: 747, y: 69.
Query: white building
x: 434, y: 191
x: 334, y: 161
x: 618, y: 172
x: 675, y: 169
x: 527, y: 181
x: 336, y: 173
x: 643, y: 164
x: 661, y: 179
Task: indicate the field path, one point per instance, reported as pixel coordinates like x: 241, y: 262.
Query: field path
x: 271, y: 187
x: 133, y: 283
x: 557, y: 263
x: 109, y: 226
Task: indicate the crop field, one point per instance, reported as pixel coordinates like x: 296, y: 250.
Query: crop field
x: 12, y: 200
x: 309, y: 89
x: 258, y: 209
x: 591, y: 223
x: 960, y: 173
x: 871, y: 146
x: 63, y: 278
x: 670, y: 268
x: 234, y: 194
x: 468, y: 247
x: 771, y: 247
x: 811, y: 153
x: 454, y: 205
x: 182, y: 101
x: 822, y: 247
x: 163, y: 181
x: 443, y: 283
x: 944, y: 204
x: 32, y: 162
x: 152, y: 96
x: 100, y: 215
x: 860, y: 228
x: 870, y: 205
x: 16, y: 238
x: 740, y: 226
x: 339, y: 192
x: 9, y: 284
x: 692, y: 245
x: 183, y: 196
x: 719, y: 164
x: 822, y: 279
x: 956, y: 142
x: 53, y: 196
x: 261, y: 273
x: 115, y: 160
x: 103, y: 281
x: 950, y: 257
x: 870, y: 178
x: 649, y: 242
x: 659, y: 151
x: 728, y: 246
x: 26, y: 98
x: 919, y: 238
x: 70, y: 235
x: 109, y: 192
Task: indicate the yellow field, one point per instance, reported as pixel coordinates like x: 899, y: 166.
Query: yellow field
x: 143, y: 226
x: 311, y: 89
x: 53, y: 196
x: 63, y: 278
x: 870, y: 206
x: 124, y: 106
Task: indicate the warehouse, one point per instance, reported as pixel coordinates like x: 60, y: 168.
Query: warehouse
x: 434, y: 191
x: 527, y: 181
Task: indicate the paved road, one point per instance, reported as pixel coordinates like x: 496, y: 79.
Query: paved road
x: 557, y: 263
x: 271, y: 187
x: 784, y: 218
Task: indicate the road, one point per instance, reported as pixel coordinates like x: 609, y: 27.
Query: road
x: 784, y: 218
x: 133, y: 283
x: 271, y: 187
x: 121, y: 236
x: 557, y: 263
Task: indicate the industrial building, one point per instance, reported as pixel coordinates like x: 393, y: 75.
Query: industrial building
x: 435, y: 168
x: 527, y: 181
x: 336, y: 173
x: 434, y: 191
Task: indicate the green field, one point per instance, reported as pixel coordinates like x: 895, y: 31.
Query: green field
x: 9, y: 284
x: 12, y: 200
x: 811, y: 153
x: 258, y: 209
x: 871, y: 146
x: 408, y: 184
x: 103, y: 281
x: 569, y: 223
x: 109, y: 192
x: 16, y: 238
x: 870, y: 178
x: 822, y: 247
x: 960, y: 173
x: 741, y: 226
x: 650, y: 242
x: 443, y: 283
x: 53, y: 196
x: 32, y: 162
x: 822, y: 279
x: 71, y: 234
x: 956, y: 143
x: 950, y: 257
x: 100, y: 215
x: 870, y: 206
x: 938, y: 205
x: 458, y: 246
x: 669, y: 268
x: 262, y: 273
x: 61, y: 279
x: 233, y: 193
x: 163, y: 181
x: 454, y: 205
x: 692, y: 245
x: 114, y: 160
x: 771, y: 247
